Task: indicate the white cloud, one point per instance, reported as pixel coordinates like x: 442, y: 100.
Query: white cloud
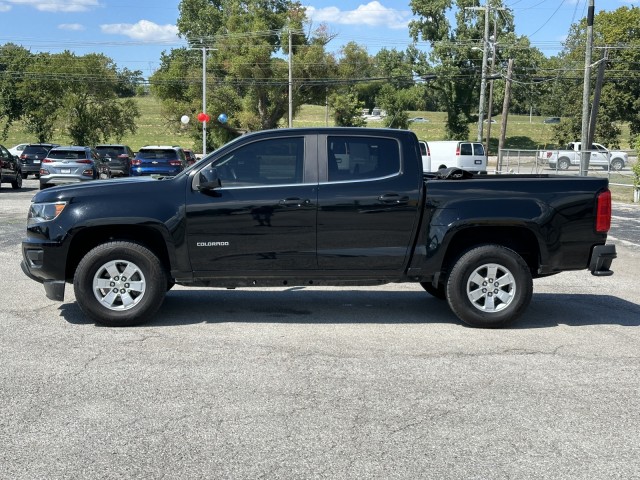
x: 58, y: 5
x: 373, y: 14
x: 4, y: 7
x: 144, y: 31
x: 76, y: 27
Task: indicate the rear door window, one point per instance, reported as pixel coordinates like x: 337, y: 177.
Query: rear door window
x: 356, y: 158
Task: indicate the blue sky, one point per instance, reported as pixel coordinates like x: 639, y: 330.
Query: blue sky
x: 134, y: 32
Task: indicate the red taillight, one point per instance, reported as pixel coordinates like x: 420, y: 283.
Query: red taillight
x: 47, y: 160
x: 85, y: 161
x: 549, y: 154
x: 603, y: 214
x: 458, y: 151
x: 135, y: 161
x: 88, y: 173
x: 428, y: 150
x: 175, y: 163
x: 23, y: 157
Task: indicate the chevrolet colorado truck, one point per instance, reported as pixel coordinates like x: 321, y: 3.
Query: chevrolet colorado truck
x: 309, y: 207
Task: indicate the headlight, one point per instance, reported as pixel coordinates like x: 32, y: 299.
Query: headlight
x: 43, y: 212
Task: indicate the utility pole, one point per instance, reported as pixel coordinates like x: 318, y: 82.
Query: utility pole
x: 596, y: 96
x: 505, y: 112
x: 493, y: 64
x: 585, y: 146
x: 290, y: 79
x: 204, y: 94
x: 483, y: 73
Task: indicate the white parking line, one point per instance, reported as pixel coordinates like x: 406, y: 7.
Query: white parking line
x: 624, y: 242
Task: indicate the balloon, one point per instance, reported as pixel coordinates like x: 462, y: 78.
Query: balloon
x: 184, y: 119
x: 207, y: 117
x: 202, y: 117
x: 222, y: 118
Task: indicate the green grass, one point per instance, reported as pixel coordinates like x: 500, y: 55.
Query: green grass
x: 153, y: 128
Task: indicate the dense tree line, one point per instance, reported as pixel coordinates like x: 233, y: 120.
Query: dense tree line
x: 87, y: 97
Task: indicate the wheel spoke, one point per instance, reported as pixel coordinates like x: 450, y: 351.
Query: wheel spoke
x: 504, y: 296
x: 109, y: 298
x: 476, y: 295
x: 476, y: 278
x: 130, y: 270
x: 136, y: 286
x: 103, y: 283
x: 489, y: 304
x: 127, y: 300
x: 112, y: 270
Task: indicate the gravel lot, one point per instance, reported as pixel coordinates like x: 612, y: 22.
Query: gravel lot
x: 344, y: 383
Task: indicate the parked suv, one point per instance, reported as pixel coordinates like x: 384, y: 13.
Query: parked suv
x: 118, y: 157
x: 72, y: 165
x: 158, y: 160
x: 31, y: 157
x: 9, y: 168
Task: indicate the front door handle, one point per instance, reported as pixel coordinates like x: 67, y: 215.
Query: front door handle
x: 393, y: 199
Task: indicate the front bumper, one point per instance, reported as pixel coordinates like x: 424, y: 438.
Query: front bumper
x: 53, y: 289
x: 601, y: 258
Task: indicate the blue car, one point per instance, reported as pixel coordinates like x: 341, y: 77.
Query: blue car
x: 158, y: 160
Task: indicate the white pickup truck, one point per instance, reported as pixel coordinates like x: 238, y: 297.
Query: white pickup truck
x: 600, y: 157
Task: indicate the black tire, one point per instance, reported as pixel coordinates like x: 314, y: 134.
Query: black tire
x: 117, y: 300
x: 43, y: 186
x: 563, y: 163
x: 24, y: 175
x: 17, y: 183
x: 617, y: 164
x: 439, y: 292
x: 500, y: 268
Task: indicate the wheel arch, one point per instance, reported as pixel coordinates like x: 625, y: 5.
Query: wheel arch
x: 519, y: 239
x: 88, y: 238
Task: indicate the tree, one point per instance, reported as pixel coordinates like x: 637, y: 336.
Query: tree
x: 396, y: 103
x: 347, y: 110
x: 247, y: 78
x: 455, y: 59
x: 13, y: 62
x: 620, y: 101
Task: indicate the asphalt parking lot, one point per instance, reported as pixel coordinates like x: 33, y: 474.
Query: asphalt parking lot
x: 377, y: 382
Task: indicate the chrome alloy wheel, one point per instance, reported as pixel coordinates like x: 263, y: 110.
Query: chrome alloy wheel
x: 119, y: 285
x: 491, y: 288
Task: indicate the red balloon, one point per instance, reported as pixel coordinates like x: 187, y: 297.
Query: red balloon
x: 207, y: 117
x: 202, y: 117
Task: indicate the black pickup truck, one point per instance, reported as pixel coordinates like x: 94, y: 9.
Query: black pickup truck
x: 309, y: 207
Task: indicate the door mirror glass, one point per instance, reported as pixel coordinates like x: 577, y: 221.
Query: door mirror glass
x: 208, y: 179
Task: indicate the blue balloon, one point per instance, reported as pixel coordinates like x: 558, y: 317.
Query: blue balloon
x: 222, y: 118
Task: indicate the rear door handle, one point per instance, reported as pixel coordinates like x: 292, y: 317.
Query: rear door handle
x: 294, y: 202
x: 393, y: 199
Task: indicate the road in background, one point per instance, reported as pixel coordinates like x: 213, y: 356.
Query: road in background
x: 376, y: 382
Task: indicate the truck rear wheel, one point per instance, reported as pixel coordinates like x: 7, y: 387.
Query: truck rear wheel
x: 563, y: 163
x: 120, y: 284
x: 489, y: 286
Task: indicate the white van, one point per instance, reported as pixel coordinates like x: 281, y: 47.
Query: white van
x: 461, y: 154
x: 426, y: 156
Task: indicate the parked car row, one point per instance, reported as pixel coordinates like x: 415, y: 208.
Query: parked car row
x: 54, y: 164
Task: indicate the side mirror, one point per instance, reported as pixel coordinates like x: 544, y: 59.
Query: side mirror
x: 208, y: 179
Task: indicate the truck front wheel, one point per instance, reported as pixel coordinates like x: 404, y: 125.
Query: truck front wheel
x: 120, y: 284
x: 489, y: 286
